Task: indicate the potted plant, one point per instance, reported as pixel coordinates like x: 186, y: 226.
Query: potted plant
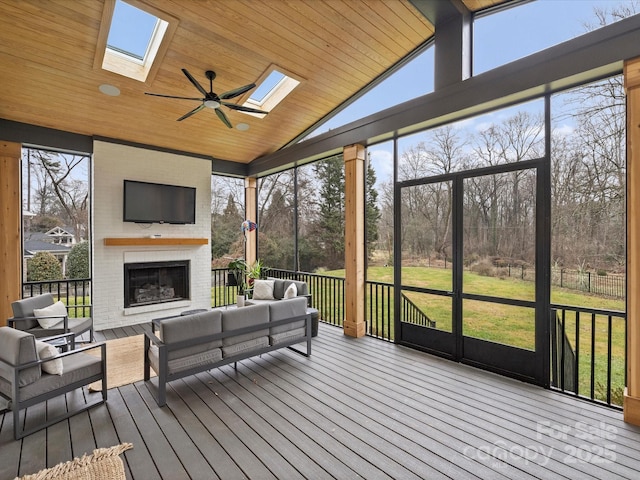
x: 256, y: 271
x: 238, y: 270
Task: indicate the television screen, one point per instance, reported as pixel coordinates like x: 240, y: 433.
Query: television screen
x: 155, y: 203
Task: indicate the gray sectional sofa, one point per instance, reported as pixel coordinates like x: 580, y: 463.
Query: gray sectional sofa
x: 188, y: 344
x: 279, y: 287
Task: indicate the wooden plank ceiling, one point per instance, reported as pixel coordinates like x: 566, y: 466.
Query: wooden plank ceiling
x: 50, y: 78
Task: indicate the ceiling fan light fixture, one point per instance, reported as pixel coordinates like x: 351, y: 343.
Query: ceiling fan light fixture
x: 211, y: 104
x: 243, y: 127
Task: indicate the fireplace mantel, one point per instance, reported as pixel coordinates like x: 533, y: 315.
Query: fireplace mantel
x: 146, y: 241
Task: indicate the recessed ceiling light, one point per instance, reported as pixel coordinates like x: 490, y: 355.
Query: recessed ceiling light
x: 243, y: 127
x: 109, y: 90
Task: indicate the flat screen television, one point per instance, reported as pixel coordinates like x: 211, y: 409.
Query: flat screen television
x: 157, y: 203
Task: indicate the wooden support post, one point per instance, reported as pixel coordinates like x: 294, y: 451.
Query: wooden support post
x: 10, y: 245
x: 251, y: 213
x: 631, y: 403
x: 354, y: 247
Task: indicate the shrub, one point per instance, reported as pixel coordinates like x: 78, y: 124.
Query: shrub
x: 78, y: 261
x: 43, y: 266
x: 483, y: 267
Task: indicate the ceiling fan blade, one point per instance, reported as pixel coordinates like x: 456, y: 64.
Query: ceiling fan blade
x: 242, y: 108
x: 172, y: 96
x: 223, y: 117
x: 237, y: 91
x: 195, y: 110
x: 195, y: 82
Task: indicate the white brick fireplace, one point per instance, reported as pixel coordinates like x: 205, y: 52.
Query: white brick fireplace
x: 112, y: 163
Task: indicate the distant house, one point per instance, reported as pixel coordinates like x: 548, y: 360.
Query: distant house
x: 58, y: 241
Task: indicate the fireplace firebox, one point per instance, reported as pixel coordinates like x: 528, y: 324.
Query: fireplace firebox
x: 155, y: 282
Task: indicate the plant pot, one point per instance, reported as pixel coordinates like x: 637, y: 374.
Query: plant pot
x: 240, y: 300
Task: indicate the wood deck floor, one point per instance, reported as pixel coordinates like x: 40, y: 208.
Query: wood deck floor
x: 355, y: 409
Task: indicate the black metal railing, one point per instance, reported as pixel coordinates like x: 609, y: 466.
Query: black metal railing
x: 75, y: 294
x: 223, y: 292
x: 379, y: 309
x: 327, y: 293
x: 588, y: 353
x: 411, y: 313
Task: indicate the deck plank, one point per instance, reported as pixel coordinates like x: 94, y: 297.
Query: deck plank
x: 298, y: 450
x: 241, y: 455
x: 58, y: 439
x: 141, y: 464
x: 157, y: 444
x: 191, y: 458
x: 357, y: 408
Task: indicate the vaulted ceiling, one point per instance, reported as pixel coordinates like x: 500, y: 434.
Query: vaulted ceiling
x: 51, y: 65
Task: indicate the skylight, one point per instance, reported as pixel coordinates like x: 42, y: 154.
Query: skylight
x: 270, y: 91
x: 131, y: 31
x: 133, y: 41
x: 268, y: 84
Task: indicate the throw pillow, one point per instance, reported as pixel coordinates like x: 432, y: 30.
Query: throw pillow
x: 263, y: 290
x: 55, y: 314
x: 46, y: 350
x: 291, y: 291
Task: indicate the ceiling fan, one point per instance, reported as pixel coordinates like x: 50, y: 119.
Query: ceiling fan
x: 212, y: 99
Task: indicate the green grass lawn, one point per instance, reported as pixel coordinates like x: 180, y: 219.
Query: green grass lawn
x: 515, y: 325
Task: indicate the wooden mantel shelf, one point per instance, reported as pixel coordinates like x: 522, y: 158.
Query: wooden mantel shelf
x: 118, y: 242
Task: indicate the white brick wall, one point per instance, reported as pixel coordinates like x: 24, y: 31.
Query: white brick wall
x: 112, y: 164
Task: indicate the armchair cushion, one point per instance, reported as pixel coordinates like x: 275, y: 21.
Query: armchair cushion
x: 77, y: 367
x: 46, y: 350
x: 24, y: 318
x: 51, y: 315
x: 24, y: 308
x: 17, y: 348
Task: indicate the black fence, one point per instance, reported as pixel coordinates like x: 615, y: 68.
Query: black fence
x: 75, y: 294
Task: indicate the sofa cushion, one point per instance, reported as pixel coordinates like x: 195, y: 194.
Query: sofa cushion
x: 280, y: 286
x: 46, y: 350
x: 24, y: 308
x: 51, y: 315
x: 263, y: 290
x: 278, y: 338
x: 235, y: 318
x: 247, y: 345
x: 293, y: 307
x: 179, y: 364
x: 17, y: 348
x: 188, y: 327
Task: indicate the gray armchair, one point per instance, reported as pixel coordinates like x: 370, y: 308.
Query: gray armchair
x: 30, y: 375
x: 25, y: 320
